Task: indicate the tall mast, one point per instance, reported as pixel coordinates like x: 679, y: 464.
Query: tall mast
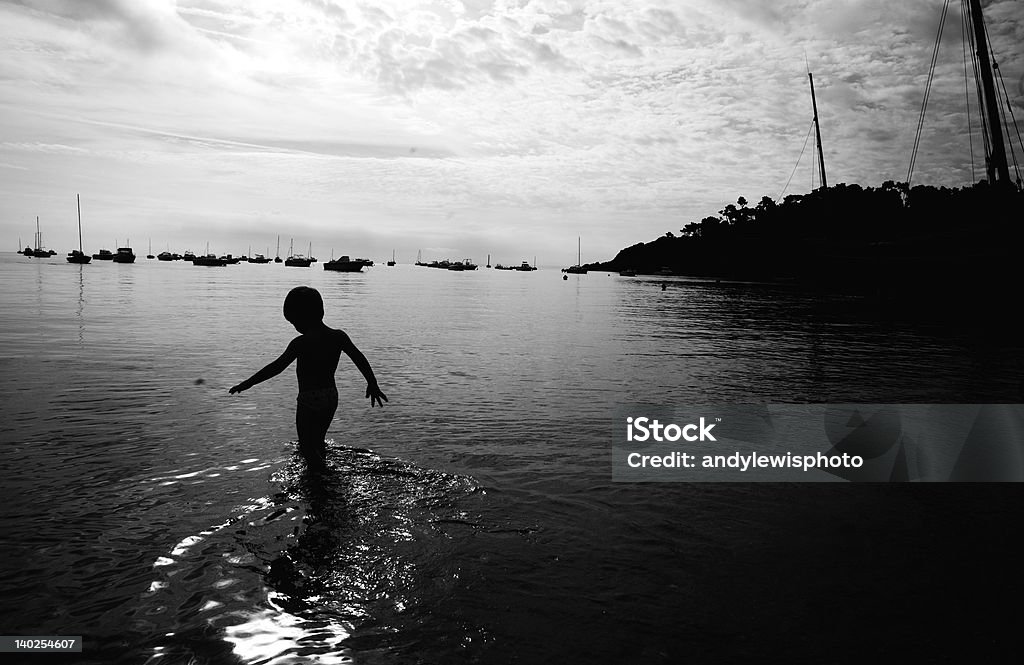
x: 998, y: 171
x: 79, y: 198
x: 578, y: 254
x: 817, y: 132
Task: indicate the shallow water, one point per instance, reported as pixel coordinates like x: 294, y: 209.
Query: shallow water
x: 473, y: 519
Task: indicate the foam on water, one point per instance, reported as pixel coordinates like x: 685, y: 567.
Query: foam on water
x: 291, y: 577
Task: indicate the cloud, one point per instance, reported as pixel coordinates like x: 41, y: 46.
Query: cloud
x: 519, y: 120
x: 50, y: 148
x: 147, y: 25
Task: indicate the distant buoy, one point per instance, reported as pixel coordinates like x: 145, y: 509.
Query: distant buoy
x: 664, y: 286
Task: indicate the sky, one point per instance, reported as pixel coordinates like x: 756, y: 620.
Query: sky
x: 451, y: 129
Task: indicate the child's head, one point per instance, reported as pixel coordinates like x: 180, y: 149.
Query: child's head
x: 303, y: 306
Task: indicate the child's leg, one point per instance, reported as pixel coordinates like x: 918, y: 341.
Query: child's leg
x: 311, y: 426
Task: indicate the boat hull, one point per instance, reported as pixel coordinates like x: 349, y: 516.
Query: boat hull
x: 344, y: 266
x: 124, y: 255
x: 208, y: 261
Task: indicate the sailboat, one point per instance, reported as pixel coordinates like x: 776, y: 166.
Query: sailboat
x: 124, y: 255
x: 392, y: 261
x: 277, y: 257
x: 38, y: 251
x: 77, y: 255
x: 209, y: 259
x: 259, y: 258
x: 150, y: 255
x: 577, y: 269
x: 296, y: 260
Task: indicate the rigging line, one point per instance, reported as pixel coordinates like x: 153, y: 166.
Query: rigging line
x: 1009, y: 108
x: 964, y: 30
x: 999, y: 75
x: 928, y: 85
x: 797, y: 161
x: 927, y: 91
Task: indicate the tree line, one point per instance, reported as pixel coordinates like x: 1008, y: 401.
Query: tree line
x: 845, y: 234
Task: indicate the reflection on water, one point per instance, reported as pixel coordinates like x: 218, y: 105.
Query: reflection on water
x: 163, y: 519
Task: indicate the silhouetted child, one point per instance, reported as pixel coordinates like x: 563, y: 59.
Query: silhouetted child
x: 317, y: 349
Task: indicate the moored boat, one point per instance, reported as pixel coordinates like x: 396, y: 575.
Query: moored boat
x: 465, y: 264
x: 296, y: 260
x: 77, y: 255
x: 344, y: 264
x: 103, y: 255
x: 208, y: 260
x: 577, y: 269
x: 38, y: 251
x: 124, y: 255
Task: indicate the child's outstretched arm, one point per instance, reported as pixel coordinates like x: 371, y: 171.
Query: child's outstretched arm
x: 271, y: 370
x: 373, y: 391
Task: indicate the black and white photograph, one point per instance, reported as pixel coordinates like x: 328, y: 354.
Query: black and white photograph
x: 430, y: 332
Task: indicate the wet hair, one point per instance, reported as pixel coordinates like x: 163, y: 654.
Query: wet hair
x: 303, y: 303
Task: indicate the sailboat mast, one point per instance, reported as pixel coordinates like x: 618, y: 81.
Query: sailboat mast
x: 578, y: 254
x: 817, y: 132
x: 78, y: 197
x: 998, y: 171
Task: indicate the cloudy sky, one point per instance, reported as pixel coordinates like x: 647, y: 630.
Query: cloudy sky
x: 460, y: 128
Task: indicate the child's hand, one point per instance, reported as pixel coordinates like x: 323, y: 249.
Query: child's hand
x: 236, y: 389
x: 374, y: 393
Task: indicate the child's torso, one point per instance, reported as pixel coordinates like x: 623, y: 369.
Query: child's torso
x: 318, y: 359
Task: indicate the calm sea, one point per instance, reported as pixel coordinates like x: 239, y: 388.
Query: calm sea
x: 473, y: 518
